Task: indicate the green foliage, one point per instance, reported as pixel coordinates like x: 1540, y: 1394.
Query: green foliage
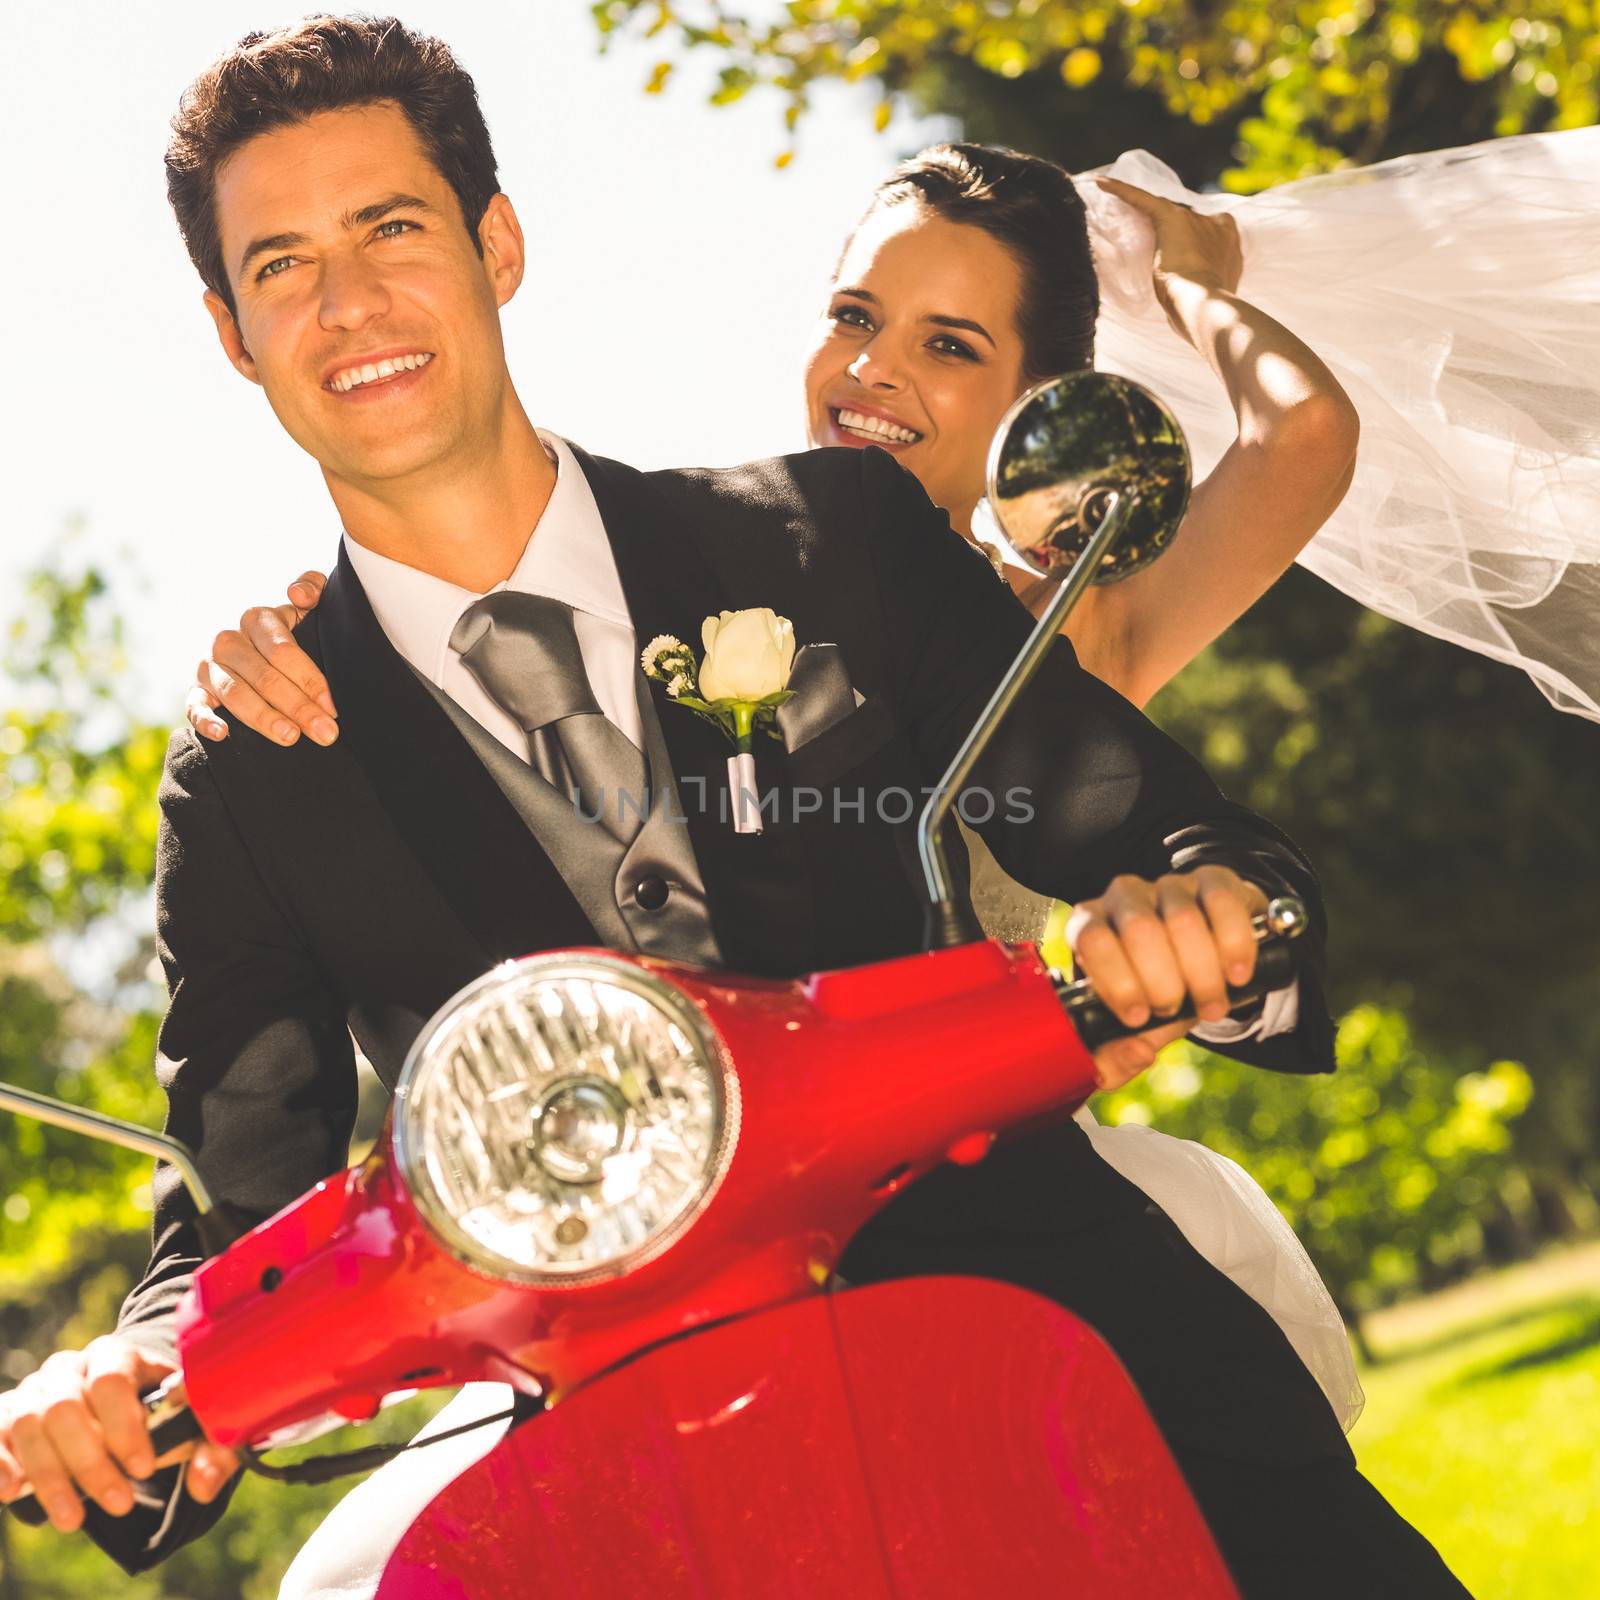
x: 1382, y: 1167
x: 77, y: 799
x: 1279, y: 90
x: 1447, y: 810
x: 78, y: 774
x: 64, y: 1198
x: 1444, y: 805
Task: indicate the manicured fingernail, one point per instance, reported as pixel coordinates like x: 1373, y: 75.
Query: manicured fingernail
x: 1238, y: 972
x: 1213, y: 1011
x: 142, y: 1466
x: 285, y: 732
x: 324, y: 730
x: 118, y: 1501
x: 1138, y: 1016
x: 325, y: 700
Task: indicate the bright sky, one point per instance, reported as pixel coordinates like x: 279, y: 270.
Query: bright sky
x: 675, y: 275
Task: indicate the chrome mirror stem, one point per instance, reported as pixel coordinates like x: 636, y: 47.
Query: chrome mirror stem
x: 111, y: 1130
x: 949, y: 923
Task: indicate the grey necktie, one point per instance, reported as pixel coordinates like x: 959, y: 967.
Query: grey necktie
x: 523, y: 650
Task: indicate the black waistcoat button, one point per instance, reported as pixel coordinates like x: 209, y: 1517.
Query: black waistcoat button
x: 651, y: 893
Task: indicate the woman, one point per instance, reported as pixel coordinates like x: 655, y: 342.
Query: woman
x: 969, y: 278
x: 999, y: 242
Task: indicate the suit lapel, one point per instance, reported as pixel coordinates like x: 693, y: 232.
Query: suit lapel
x: 755, y: 883
x: 449, y: 810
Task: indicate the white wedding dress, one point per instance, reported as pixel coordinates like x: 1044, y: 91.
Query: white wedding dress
x: 1456, y: 296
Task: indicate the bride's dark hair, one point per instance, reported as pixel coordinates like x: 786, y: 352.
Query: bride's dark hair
x: 1030, y: 206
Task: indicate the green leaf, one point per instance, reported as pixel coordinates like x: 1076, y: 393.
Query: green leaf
x: 1246, y: 95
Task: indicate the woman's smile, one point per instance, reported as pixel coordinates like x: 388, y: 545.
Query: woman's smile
x: 858, y: 425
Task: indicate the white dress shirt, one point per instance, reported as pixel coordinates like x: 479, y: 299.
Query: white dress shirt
x: 567, y: 557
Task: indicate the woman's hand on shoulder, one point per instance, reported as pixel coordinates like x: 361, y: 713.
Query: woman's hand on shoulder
x: 263, y: 677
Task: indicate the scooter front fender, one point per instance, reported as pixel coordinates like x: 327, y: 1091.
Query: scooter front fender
x: 938, y: 1438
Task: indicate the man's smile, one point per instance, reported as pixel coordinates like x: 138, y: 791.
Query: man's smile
x: 378, y: 371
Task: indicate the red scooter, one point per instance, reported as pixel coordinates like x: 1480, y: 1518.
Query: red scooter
x: 621, y: 1186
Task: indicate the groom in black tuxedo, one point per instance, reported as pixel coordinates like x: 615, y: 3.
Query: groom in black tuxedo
x: 311, y: 894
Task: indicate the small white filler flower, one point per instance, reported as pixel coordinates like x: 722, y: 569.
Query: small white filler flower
x: 738, y: 687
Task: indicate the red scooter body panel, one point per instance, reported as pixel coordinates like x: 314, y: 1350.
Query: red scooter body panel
x: 937, y: 1438
x: 854, y: 1083
x: 721, y: 1426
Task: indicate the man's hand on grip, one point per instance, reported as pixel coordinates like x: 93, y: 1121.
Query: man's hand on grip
x: 1148, y: 946
x: 76, y: 1429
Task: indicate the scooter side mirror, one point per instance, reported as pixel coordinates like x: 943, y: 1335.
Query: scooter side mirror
x: 1061, y: 454
x: 1088, y: 478
x: 217, y: 1227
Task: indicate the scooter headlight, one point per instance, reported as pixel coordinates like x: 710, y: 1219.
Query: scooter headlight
x: 564, y: 1118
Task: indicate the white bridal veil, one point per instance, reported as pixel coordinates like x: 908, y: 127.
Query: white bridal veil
x: 1456, y: 296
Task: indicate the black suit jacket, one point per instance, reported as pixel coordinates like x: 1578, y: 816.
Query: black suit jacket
x: 308, y: 894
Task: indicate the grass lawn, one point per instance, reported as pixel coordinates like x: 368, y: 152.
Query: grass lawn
x: 1482, y: 1427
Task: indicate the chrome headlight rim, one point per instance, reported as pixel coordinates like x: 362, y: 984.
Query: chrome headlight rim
x: 409, y: 1147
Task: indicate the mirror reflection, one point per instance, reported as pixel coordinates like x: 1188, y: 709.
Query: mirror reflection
x: 1064, y: 449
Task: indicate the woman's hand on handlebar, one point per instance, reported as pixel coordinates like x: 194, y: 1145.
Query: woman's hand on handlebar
x: 1149, y: 946
x: 263, y: 677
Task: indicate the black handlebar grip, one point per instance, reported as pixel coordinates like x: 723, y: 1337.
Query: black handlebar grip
x: 1098, y: 1024
x: 177, y: 1425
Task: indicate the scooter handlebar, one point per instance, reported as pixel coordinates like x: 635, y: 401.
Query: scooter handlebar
x: 1275, y: 929
x: 171, y: 1424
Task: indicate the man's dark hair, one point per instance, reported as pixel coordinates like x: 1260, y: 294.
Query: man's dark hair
x: 1030, y: 206
x: 322, y: 63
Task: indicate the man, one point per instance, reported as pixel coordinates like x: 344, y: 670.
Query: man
x: 336, y: 188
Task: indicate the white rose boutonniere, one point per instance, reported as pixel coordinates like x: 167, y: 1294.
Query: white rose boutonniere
x: 738, y: 687
x: 748, y: 655
x: 743, y: 679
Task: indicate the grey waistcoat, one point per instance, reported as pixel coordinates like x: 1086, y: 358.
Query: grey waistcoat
x: 603, y: 875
